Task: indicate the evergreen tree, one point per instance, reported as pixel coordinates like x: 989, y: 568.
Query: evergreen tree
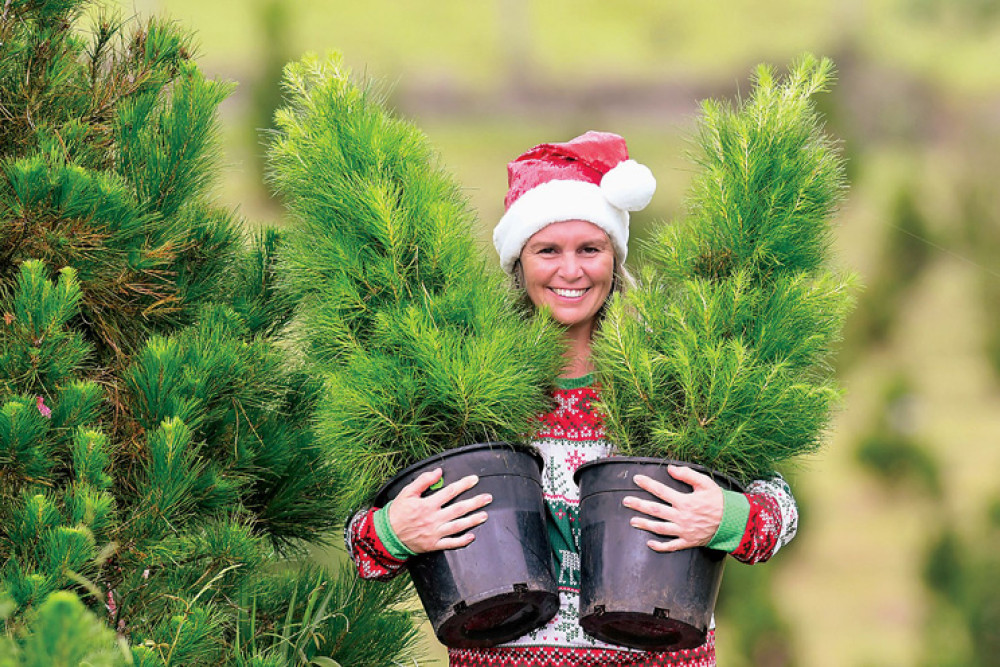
x: 720, y: 355
x: 890, y: 448
x: 903, y: 260
x: 423, y: 347
x: 61, y: 632
x: 962, y: 573
x: 156, y: 447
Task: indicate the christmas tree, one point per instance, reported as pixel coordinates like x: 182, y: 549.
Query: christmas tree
x: 721, y: 353
x: 423, y: 346
x: 156, y: 451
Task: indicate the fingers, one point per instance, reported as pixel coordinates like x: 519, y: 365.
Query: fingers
x: 423, y: 482
x: 459, y: 509
x: 690, y: 476
x: 664, y: 528
x: 455, y: 489
x: 455, y: 542
x: 688, y: 518
x: 658, y: 489
x: 651, y: 507
x: 448, y: 532
x: 696, y: 480
x: 676, y: 540
x: 452, y: 528
x: 431, y: 521
x: 673, y: 545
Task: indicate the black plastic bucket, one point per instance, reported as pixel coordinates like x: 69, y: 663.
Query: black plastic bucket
x: 503, y: 584
x: 629, y: 594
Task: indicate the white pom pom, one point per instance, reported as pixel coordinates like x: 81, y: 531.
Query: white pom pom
x: 629, y: 185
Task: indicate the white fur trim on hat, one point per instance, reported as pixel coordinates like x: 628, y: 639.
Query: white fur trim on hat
x: 557, y: 201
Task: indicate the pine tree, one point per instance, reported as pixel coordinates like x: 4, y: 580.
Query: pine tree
x: 721, y: 354
x: 62, y: 632
x: 157, y: 455
x: 423, y: 347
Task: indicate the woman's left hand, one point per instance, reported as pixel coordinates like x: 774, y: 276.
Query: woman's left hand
x: 692, y: 519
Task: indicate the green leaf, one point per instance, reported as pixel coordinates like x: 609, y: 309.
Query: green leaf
x: 324, y: 662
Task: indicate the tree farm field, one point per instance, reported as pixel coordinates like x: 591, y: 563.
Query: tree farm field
x: 850, y: 585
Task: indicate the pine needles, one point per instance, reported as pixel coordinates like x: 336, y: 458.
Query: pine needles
x: 157, y: 461
x: 423, y: 346
x: 721, y: 353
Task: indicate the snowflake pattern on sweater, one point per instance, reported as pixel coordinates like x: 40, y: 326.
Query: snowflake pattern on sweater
x: 569, y: 436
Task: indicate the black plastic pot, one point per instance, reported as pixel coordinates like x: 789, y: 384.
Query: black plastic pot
x: 629, y: 594
x: 503, y: 584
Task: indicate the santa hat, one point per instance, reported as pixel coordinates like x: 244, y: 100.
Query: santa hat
x: 588, y: 178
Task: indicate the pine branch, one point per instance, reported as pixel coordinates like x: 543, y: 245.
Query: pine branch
x: 737, y: 317
x: 424, y: 349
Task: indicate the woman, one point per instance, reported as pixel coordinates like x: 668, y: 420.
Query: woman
x: 563, y: 239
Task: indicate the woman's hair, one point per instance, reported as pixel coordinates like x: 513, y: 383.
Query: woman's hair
x: 620, y: 282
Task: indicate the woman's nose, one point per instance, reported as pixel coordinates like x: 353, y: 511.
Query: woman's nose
x: 570, y: 267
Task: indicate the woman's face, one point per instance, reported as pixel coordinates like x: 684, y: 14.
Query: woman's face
x: 569, y: 267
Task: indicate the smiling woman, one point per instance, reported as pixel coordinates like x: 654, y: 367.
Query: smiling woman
x: 569, y: 267
x: 564, y: 236
x: 563, y: 240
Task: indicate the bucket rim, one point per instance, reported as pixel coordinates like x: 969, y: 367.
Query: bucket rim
x: 731, y: 482
x: 518, y: 447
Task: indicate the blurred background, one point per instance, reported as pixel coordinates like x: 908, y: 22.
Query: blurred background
x: 897, y: 561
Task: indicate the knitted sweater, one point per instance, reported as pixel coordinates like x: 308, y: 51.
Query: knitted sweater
x: 569, y: 436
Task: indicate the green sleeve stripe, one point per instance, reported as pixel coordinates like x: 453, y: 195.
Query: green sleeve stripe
x: 735, y: 513
x: 392, y: 544
x: 575, y: 383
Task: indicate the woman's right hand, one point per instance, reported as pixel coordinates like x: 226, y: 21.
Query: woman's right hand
x: 423, y: 524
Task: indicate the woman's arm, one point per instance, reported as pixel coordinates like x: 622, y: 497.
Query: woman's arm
x: 367, y: 550
x: 751, y: 526
x: 773, y: 520
x: 380, y: 541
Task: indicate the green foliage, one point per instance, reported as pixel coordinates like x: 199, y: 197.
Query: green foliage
x: 317, y: 621
x: 62, y: 632
x: 720, y: 355
x: 258, y: 298
x: 35, y: 349
x: 963, y: 575
x: 105, y: 158
x: 768, y: 183
x: 904, y: 257
x: 760, y: 632
x: 424, y: 349
x: 162, y: 139
x: 157, y: 455
x: 890, y: 449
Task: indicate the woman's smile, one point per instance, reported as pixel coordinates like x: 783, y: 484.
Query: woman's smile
x: 569, y: 293
x: 569, y: 267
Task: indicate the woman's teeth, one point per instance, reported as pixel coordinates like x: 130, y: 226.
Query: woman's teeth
x: 570, y: 293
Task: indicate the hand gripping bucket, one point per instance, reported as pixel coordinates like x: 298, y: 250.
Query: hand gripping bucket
x: 629, y: 594
x: 502, y: 585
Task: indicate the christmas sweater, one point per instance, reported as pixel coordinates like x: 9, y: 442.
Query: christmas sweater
x: 569, y: 436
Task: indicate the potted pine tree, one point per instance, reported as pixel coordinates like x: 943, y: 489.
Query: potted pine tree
x: 429, y: 362
x: 719, y: 357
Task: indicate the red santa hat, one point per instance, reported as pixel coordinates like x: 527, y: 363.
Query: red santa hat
x: 588, y: 178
